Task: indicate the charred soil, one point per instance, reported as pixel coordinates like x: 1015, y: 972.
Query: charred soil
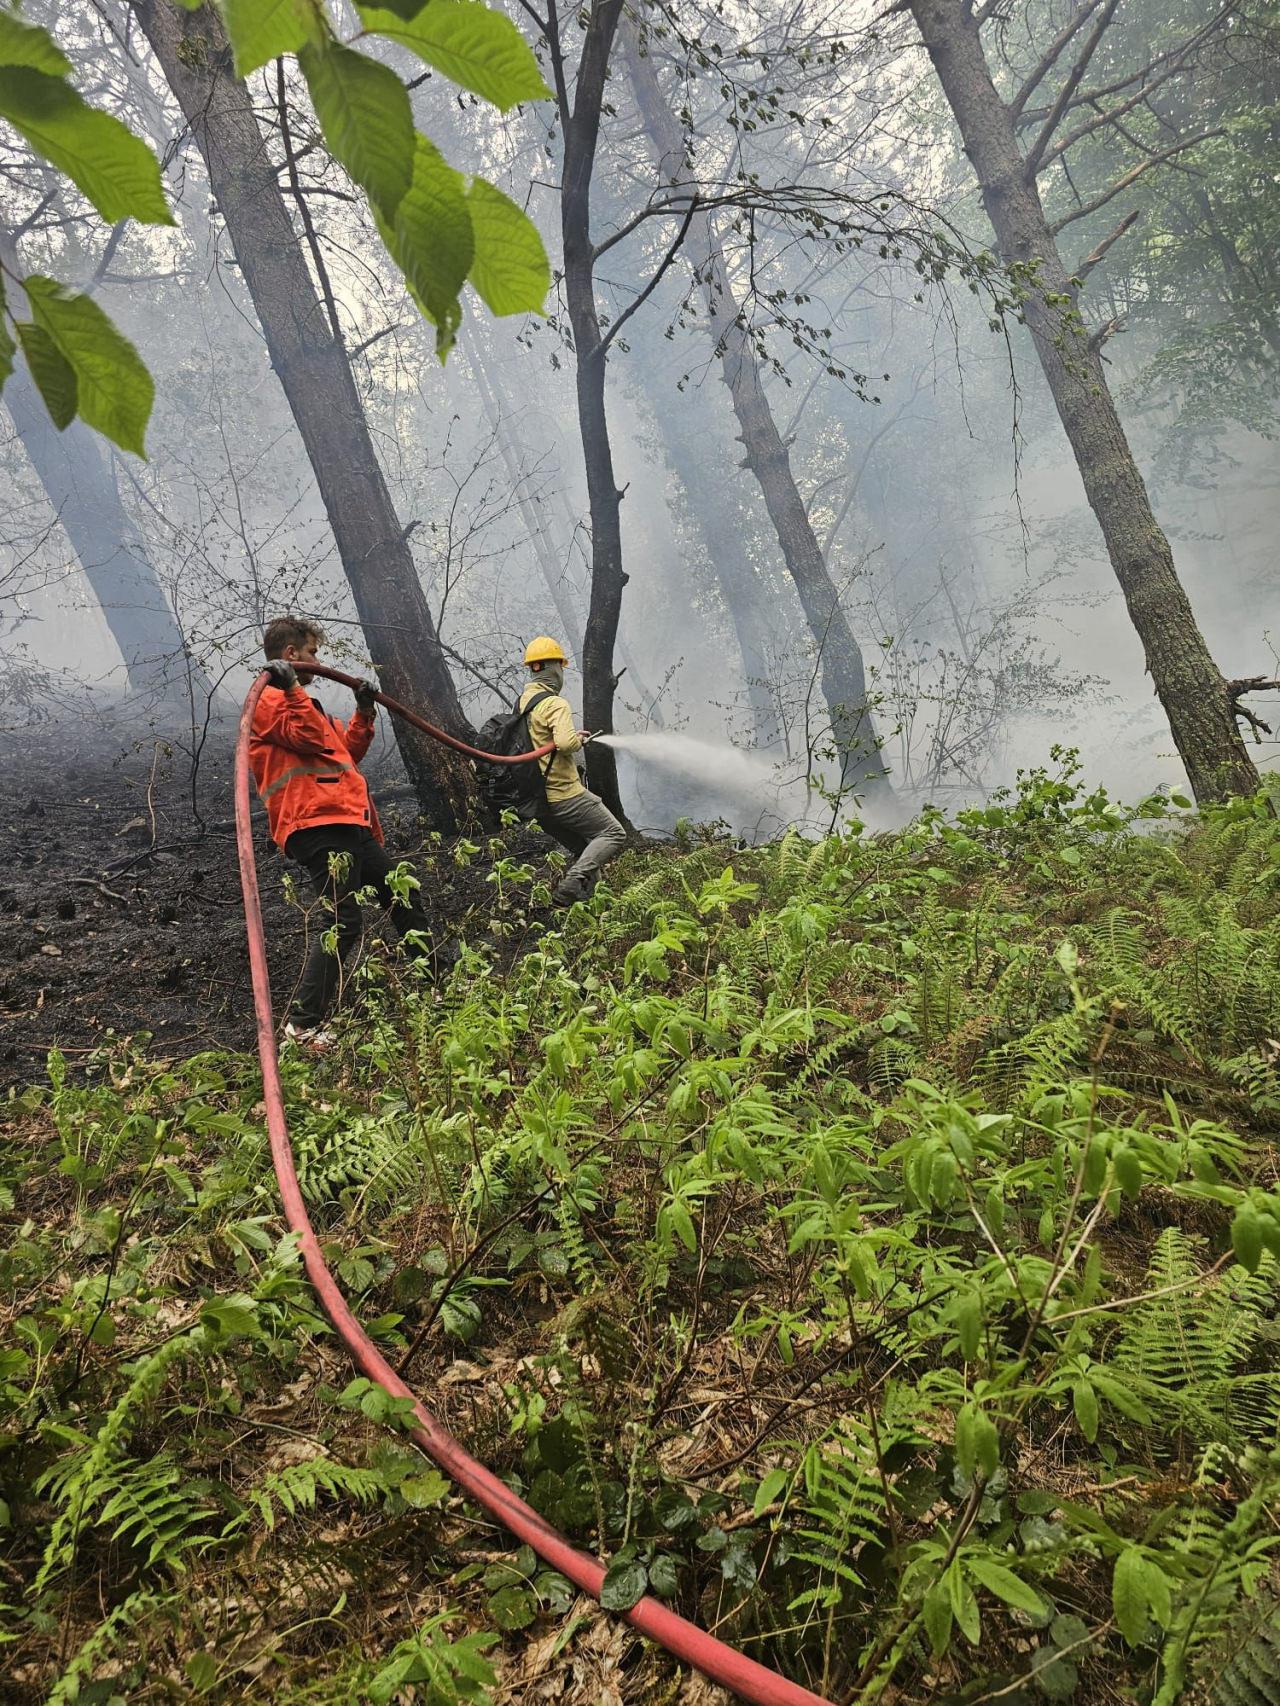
x: 120, y: 896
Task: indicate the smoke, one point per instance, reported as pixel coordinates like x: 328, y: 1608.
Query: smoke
x: 676, y: 776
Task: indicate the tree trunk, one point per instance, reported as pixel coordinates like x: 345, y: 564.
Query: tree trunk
x: 1190, y: 686
x: 843, y: 675
x: 497, y: 407
x: 78, y: 480
x: 699, y: 468
x: 314, y: 369
x: 81, y: 489
x: 581, y: 127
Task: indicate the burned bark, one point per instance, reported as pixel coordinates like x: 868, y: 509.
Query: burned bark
x: 1189, y: 684
x: 315, y: 372
x: 580, y: 124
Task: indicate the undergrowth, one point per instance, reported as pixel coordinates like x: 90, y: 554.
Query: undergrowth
x: 868, y: 1246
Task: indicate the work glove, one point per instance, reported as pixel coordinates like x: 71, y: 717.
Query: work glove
x: 282, y: 673
x: 367, y: 696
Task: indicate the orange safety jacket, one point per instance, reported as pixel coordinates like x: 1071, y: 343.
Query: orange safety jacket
x: 304, y: 763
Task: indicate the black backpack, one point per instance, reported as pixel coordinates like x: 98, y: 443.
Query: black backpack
x: 512, y: 787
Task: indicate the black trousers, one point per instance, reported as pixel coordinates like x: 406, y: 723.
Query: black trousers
x: 367, y: 865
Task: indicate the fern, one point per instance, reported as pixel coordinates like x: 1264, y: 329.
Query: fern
x: 370, y: 1156
x: 298, y: 1487
x: 1251, y: 1677
x: 1189, y: 1346
x: 87, y: 1662
x: 838, y: 1506
x: 98, y: 1474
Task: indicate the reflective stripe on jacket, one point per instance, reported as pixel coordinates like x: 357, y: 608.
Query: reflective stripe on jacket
x: 304, y: 763
x: 550, y: 721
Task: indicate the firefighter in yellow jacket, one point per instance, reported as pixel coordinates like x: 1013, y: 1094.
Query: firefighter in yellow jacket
x: 577, y: 818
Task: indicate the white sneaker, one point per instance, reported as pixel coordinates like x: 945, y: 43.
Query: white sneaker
x: 308, y: 1036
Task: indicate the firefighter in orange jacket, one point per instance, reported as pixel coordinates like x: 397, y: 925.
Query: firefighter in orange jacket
x: 305, y: 762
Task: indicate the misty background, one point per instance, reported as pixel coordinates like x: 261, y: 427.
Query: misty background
x: 921, y: 434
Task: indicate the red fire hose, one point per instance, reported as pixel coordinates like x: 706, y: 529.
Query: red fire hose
x: 723, y: 1664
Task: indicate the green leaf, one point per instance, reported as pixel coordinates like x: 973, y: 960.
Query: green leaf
x: 230, y: 1317
x: 480, y: 49
x: 769, y: 1489
x: 1117, y: 1393
x: 1128, y: 1171
x: 202, y: 1672
x: 1005, y: 1585
x: 626, y: 1578
x: 114, y: 392
x: 1246, y: 1237
x: 513, y: 1608
x: 938, y: 1618
x: 509, y: 272
x: 27, y: 44
x: 430, y: 239
x: 1084, y: 1401
x: 364, y: 113
x: 1129, y: 1595
x: 261, y: 30
x: 965, y: 1605
x: 664, y: 1575
x: 681, y: 1223
x: 422, y: 1491
x: 54, y: 376
x: 1067, y: 1630
x: 104, y: 159
x: 969, y: 1325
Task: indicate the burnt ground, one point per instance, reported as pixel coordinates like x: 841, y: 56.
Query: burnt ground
x: 120, y: 912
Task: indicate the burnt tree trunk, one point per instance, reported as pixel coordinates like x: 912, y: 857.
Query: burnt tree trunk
x: 315, y: 371
x: 843, y: 675
x: 580, y: 122
x: 1190, y: 686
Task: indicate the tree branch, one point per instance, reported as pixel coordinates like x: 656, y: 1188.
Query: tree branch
x: 1051, y: 56
x: 653, y: 283
x: 308, y: 225
x: 1171, y: 64
x: 1036, y: 152
x: 1251, y: 684
x: 1091, y: 260
x: 1130, y: 177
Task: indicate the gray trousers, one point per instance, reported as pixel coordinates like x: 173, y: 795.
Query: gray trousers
x: 588, y: 831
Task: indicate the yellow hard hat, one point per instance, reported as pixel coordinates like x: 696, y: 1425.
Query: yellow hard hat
x: 544, y: 650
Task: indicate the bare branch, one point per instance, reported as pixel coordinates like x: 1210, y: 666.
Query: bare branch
x: 1130, y: 178
x: 1170, y: 64
x: 1105, y: 332
x: 1051, y: 56
x: 1091, y: 260
x: 1251, y: 684
x: 653, y: 283
x: 1036, y: 152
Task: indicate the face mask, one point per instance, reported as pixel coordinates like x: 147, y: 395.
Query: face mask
x: 551, y: 676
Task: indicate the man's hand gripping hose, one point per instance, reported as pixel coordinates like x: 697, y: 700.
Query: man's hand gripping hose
x: 722, y: 1663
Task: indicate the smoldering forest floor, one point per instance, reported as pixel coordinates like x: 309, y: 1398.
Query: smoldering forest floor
x: 120, y: 906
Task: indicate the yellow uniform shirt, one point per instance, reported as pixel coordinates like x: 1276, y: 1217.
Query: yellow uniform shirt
x: 552, y: 720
